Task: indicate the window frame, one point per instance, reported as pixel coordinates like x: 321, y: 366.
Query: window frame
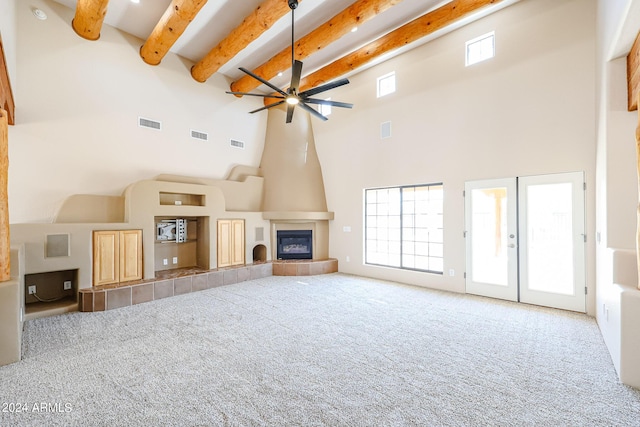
x: 401, y: 264
x: 490, y: 35
x: 381, y: 79
x: 325, y: 109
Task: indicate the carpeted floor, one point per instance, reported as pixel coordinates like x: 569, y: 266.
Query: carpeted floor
x: 332, y: 350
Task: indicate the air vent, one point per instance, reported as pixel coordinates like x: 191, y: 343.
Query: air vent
x: 148, y: 123
x: 385, y: 130
x: 259, y: 234
x: 237, y: 144
x: 199, y: 135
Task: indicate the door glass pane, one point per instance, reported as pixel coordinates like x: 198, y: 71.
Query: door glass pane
x: 489, y: 262
x: 550, y: 238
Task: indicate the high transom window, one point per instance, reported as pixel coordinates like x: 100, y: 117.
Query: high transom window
x: 480, y: 49
x: 386, y: 84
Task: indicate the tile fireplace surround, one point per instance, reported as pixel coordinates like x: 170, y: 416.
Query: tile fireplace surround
x: 176, y: 282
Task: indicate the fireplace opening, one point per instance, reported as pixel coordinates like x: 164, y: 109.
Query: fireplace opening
x: 294, y: 244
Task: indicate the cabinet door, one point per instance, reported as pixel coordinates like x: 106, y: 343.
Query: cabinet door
x: 106, y: 261
x: 237, y: 242
x: 224, y: 242
x: 130, y: 255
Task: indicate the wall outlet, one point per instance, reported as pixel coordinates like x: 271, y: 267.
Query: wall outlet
x: 165, y: 262
x: 452, y: 272
x: 32, y: 289
x: 346, y: 229
x: 175, y: 259
x: 67, y: 285
x: 348, y: 258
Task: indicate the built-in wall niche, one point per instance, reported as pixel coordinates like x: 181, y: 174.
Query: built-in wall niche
x: 190, y: 250
x: 50, y: 290
x: 181, y: 199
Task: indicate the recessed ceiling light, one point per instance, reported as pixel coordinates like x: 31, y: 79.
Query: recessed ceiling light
x: 135, y: 1
x: 280, y: 74
x: 39, y: 13
x: 354, y: 29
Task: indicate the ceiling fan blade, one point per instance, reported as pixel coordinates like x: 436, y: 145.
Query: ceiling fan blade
x: 312, y: 111
x: 328, y: 102
x: 267, y: 106
x: 256, y: 94
x: 296, y: 72
x: 324, y: 87
x: 260, y: 79
x: 290, y: 108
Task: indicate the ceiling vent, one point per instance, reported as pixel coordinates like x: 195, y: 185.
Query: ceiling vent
x: 148, y: 123
x: 237, y: 144
x: 203, y: 136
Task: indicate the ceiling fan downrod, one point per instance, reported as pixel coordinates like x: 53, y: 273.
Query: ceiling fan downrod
x: 293, y: 4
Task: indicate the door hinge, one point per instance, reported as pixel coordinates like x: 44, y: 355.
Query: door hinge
x: 464, y: 275
x: 464, y: 234
x: 584, y: 237
x: 464, y: 193
x: 585, y: 290
x: 584, y: 186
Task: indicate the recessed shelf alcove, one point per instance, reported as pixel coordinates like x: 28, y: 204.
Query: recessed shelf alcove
x: 181, y: 199
x: 50, y: 293
x: 193, y: 252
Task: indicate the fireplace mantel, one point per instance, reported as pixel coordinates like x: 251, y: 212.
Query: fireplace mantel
x: 298, y: 216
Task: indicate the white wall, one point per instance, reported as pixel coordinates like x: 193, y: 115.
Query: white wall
x: 77, y: 105
x: 618, y: 301
x: 528, y: 111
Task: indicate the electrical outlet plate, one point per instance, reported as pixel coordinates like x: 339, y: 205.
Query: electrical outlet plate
x: 175, y: 259
x: 32, y: 289
x: 67, y: 285
x: 165, y: 261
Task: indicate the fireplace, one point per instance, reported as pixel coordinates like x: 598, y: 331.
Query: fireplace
x: 294, y: 244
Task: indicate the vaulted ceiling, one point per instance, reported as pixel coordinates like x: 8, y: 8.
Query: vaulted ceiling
x: 219, y: 36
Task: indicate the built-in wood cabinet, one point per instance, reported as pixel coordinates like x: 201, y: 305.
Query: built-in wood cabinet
x: 230, y: 242
x: 117, y: 256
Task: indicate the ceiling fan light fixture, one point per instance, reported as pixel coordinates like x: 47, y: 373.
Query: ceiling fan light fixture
x: 39, y: 13
x: 292, y: 100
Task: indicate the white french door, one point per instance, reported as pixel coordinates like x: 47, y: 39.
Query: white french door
x: 491, y: 238
x: 525, y: 239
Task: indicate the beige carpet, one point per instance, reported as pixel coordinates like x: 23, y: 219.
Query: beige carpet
x: 331, y: 350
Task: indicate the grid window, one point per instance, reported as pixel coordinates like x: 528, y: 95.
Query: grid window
x: 480, y: 48
x: 403, y: 227
x: 386, y: 84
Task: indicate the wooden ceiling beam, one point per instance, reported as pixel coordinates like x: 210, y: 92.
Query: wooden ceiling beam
x: 88, y: 19
x: 5, y: 241
x: 341, y: 24
x: 408, y: 33
x: 260, y: 20
x: 633, y: 74
x: 174, y: 21
x: 6, y: 94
